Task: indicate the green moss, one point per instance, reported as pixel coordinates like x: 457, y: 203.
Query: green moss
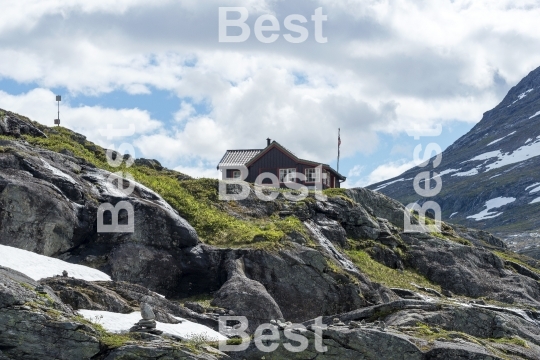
x: 47, y: 298
x: 517, y: 258
x: 234, y: 341
x: 202, y: 299
x: 197, y: 342
x: 27, y: 286
x: 110, y: 340
x: 387, y: 276
x: 342, y: 193
x: 516, y: 340
x: 430, y: 334
x: 461, y: 241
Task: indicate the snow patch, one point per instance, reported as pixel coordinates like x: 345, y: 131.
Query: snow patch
x: 38, y: 266
x: 528, y: 140
x: 537, y: 200
x: 494, y: 176
x: 521, y: 154
x: 471, y: 172
x: 537, y: 189
x: 492, y: 204
x: 522, y: 95
x: 533, y: 185
x: 448, y: 171
x: 452, y: 215
x: 382, y: 186
x: 495, y: 141
x: 121, y: 323
x: 537, y: 113
x: 485, y: 156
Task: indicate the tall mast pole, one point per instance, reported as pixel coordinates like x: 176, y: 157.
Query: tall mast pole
x: 57, y: 120
x: 339, y: 144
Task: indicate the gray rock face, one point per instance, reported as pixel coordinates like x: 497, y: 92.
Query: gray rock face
x: 80, y: 294
x: 146, y: 311
x: 12, y: 124
x: 354, y: 218
x: 49, y: 203
x: 121, y: 297
x: 151, y: 163
x: 38, y: 326
x: 470, y: 271
x: 28, y: 333
x: 303, y: 286
x: 461, y: 332
x: 246, y: 297
x: 332, y: 230
x: 379, y: 204
x: 367, y: 343
x: 155, y: 350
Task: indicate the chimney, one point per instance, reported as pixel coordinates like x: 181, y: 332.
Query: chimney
x: 268, y: 142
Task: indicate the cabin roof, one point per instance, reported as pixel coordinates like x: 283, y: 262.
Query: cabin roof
x: 238, y: 157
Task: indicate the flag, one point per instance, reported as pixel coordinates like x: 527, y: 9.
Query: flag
x: 339, y: 139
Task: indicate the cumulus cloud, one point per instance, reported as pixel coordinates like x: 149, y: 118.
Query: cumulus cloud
x: 382, y: 172
x: 388, y: 67
x: 95, y: 122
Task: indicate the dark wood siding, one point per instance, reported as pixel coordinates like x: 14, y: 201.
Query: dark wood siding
x: 271, y: 162
x: 274, y: 160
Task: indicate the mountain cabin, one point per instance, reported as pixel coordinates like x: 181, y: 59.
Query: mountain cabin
x: 282, y: 163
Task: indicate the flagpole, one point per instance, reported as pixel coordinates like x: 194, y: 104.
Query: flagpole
x: 339, y: 144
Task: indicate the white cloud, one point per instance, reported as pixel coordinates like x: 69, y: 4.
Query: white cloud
x: 355, y: 171
x: 389, y: 66
x: 200, y: 171
x: 91, y: 121
x: 186, y: 111
x: 382, y: 172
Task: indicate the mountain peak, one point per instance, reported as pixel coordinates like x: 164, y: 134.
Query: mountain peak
x: 498, y: 159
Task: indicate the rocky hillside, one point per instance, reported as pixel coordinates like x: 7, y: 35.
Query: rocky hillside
x: 490, y: 175
x: 458, y: 294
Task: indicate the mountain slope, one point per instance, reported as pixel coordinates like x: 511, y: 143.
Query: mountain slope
x: 491, y: 175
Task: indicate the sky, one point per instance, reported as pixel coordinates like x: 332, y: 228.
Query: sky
x: 379, y: 70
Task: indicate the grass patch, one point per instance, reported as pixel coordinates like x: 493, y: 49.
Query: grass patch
x: 27, y: 286
x: 202, y: 299
x: 517, y: 258
x: 110, y: 340
x: 433, y: 333
x: 339, y: 192
x: 516, y: 340
x: 387, y: 276
x: 460, y: 240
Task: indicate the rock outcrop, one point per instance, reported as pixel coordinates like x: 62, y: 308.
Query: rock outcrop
x: 49, y: 205
x: 37, y: 325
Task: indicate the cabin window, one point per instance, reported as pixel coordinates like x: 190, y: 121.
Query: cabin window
x: 313, y: 175
x: 287, y: 175
x: 233, y: 174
